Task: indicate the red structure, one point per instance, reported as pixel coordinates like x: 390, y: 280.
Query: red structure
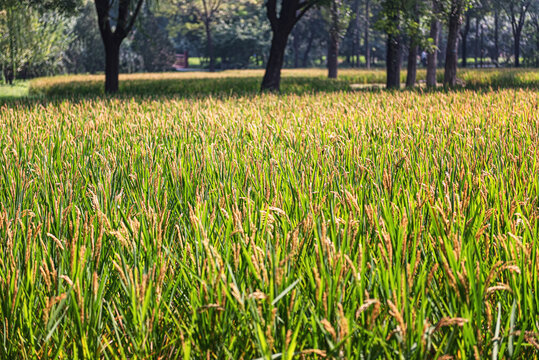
x: 182, y: 61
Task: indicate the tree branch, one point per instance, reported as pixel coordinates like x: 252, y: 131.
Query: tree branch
x: 523, y: 11
x: 134, y: 17
x: 303, y: 8
x: 103, y: 8
x: 271, y: 9
x: 123, y: 14
x: 126, y: 23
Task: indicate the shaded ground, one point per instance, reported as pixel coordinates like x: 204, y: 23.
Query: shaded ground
x: 234, y: 83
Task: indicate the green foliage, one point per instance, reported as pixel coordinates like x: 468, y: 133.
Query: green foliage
x: 242, y: 36
x: 309, y: 39
x: 152, y: 43
x: 61, y: 6
x: 338, y: 15
x: 31, y: 43
x: 239, y: 30
x: 416, y: 21
x: 86, y: 53
x: 390, y: 17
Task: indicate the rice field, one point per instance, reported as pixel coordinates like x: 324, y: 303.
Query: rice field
x: 314, y: 225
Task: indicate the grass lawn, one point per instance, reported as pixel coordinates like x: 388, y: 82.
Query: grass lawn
x: 18, y: 90
x: 192, y: 217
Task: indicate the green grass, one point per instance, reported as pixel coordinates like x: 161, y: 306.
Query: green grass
x: 15, y: 91
x: 350, y: 225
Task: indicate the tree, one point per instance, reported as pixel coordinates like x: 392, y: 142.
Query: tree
x: 356, y: 34
x: 476, y: 41
x: 33, y: 39
x: 414, y: 10
x: 391, y: 23
x: 307, y: 38
x: 432, y: 53
x: 151, y: 42
x: 496, y: 34
x: 451, y: 57
x: 206, y: 11
x: 479, y: 9
x: 464, y: 37
x: 291, y: 11
x: 338, y: 15
x: 516, y: 10
x: 8, y: 41
x: 241, y: 37
x: 535, y: 25
x: 119, y: 15
x: 86, y: 53
x: 366, y: 34
x: 60, y: 6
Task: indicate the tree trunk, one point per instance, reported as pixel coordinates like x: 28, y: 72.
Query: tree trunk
x: 465, y: 41
x: 451, y: 59
x: 334, y: 38
x: 537, y: 44
x: 517, y: 48
x: 305, y: 61
x: 296, y: 50
x: 272, y: 77
x: 352, y: 58
x: 413, y: 50
x: 537, y: 48
x: 367, y: 44
x: 333, y: 57
x: 496, y: 36
x: 432, y: 56
x: 481, y: 48
x: 11, y: 73
x: 113, y: 39
x: 8, y: 75
x: 112, y: 64
x: 476, y: 52
x: 357, y: 34
x: 393, y: 61
x: 209, y: 43
x: 516, y: 26
x: 411, y: 74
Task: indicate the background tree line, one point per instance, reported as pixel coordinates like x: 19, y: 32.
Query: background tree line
x: 46, y: 37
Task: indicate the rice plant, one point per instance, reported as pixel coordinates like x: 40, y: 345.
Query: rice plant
x: 342, y: 225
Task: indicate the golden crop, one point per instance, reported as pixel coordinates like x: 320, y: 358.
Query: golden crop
x: 335, y: 224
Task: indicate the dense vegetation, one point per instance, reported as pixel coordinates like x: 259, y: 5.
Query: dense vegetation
x: 47, y: 40
x: 340, y: 224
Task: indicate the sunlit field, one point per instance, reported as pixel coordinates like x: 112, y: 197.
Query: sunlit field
x: 17, y: 90
x: 220, y: 223
x: 247, y: 82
